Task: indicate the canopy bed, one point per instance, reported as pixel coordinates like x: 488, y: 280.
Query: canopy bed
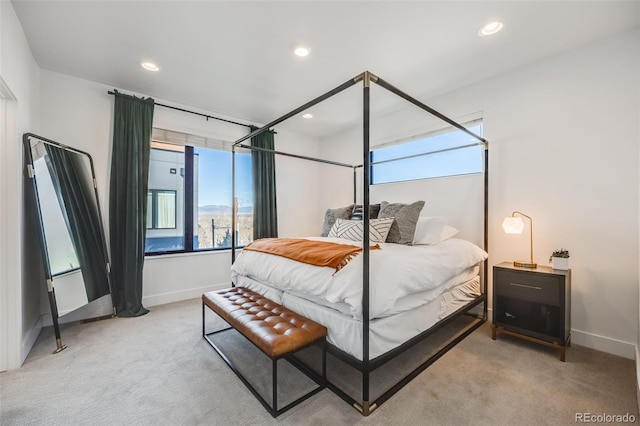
x: 384, y: 302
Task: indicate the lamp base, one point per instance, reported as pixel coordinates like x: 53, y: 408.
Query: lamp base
x: 525, y: 264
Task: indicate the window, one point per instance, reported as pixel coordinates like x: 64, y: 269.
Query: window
x: 190, y: 188
x: 161, y: 209
x: 436, y: 154
x: 212, y: 199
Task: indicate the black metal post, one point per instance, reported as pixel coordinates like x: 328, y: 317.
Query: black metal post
x: 365, y: 243
x: 485, y: 275
x: 286, y: 154
x: 233, y: 203
x: 274, y: 373
x: 355, y: 186
x: 54, y: 316
x: 324, y: 362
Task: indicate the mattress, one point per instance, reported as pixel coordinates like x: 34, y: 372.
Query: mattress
x: 401, y: 277
x: 386, y: 333
x: 405, y: 303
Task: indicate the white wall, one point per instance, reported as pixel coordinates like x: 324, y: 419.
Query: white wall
x: 563, y: 137
x: 298, y: 186
x: 79, y: 113
x: 19, y: 298
x: 564, y: 149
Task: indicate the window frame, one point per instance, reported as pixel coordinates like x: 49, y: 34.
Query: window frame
x: 423, y: 136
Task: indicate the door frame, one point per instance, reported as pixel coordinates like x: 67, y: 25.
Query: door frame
x: 10, y: 245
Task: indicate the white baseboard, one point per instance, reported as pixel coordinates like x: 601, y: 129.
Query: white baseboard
x: 604, y: 344
x: 177, y: 296
x: 30, y: 339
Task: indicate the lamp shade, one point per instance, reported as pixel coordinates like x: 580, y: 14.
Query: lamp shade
x: 513, y: 225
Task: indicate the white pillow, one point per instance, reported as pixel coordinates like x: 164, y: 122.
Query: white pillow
x: 432, y: 230
x: 448, y: 232
x: 352, y: 229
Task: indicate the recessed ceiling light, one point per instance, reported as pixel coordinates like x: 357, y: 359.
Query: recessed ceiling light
x: 302, y: 51
x: 150, y: 66
x: 490, y: 29
x: 307, y: 115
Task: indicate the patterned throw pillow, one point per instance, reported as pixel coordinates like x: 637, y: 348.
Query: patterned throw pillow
x: 406, y: 217
x: 352, y: 229
x: 332, y: 214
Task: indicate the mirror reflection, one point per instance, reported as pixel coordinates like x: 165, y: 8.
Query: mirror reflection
x: 76, y: 260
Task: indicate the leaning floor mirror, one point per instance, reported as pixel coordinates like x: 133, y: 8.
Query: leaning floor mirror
x: 71, y: 234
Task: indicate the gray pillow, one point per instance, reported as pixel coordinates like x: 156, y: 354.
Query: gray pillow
x: 406, y: 217
x: 374, y: 209
x: 332, y: 214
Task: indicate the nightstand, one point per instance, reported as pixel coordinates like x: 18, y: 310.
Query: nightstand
x: 533, y: 304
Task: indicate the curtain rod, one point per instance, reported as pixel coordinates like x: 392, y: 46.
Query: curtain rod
x: 192, y: 112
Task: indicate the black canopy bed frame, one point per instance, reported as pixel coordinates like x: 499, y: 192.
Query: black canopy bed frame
x: 366, y: 366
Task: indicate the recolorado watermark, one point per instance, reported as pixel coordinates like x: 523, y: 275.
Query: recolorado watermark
x: 604, y: 418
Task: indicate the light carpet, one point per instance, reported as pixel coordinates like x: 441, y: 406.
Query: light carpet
x: 158, y: 370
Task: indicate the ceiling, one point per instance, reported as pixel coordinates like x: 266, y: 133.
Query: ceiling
x: 235, y: 58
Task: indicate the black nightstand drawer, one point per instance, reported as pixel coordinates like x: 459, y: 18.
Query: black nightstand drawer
x: 534, y: 287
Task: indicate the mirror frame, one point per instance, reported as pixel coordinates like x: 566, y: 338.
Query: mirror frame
x: 30, y: 172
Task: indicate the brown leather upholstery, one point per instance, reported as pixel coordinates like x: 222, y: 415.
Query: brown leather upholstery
x: 273, y: 328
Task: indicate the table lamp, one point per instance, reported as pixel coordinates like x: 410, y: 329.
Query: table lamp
x: 514, y: 225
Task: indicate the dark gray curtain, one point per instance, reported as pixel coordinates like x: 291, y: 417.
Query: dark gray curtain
x: 132, y: 122
x: 76, y: 195
x: 263, y: 166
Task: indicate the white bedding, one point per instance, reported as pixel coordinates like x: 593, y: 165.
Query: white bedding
x: 397, y: 271
x: 345, y: 332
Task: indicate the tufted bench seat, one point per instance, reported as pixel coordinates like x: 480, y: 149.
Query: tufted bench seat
x: 274, y: 329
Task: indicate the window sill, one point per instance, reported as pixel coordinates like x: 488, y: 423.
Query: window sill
x: 148, y: 257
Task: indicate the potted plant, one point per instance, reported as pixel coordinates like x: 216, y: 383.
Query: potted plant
x: 560, y: 259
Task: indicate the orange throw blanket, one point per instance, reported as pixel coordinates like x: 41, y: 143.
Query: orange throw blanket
x: 318, y: 253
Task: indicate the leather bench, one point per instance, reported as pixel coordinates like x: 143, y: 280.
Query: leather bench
x: 277, y: 331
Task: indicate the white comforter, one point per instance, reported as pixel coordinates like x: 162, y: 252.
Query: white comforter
x: 396, y: 271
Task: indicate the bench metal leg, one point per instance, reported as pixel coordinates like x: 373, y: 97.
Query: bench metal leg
x: 273, y: 409
x: 274, y: 370
x: 324, y: 362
